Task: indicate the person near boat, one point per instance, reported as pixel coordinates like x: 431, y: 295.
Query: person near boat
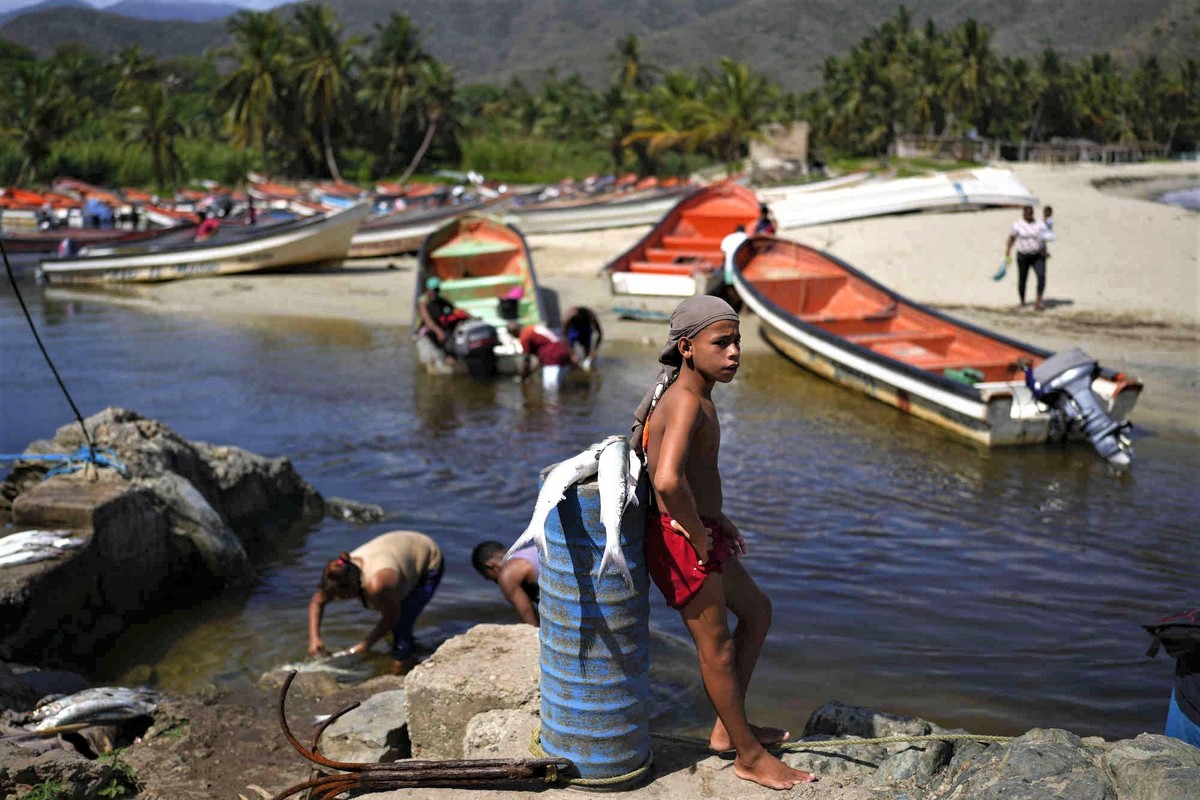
x: 692, y: 549
x: 765, y: 224
x: 553, y: 355
x: 517, y: 576
x: 1028, y: 234
x: 439, y: 316
x: 582, y: 330
x: 394, y: 574
x: 207, y: 228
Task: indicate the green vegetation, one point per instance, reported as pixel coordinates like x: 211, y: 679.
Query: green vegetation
x: 294, y: 95
x: 46, y: 790
x: 124, y: 781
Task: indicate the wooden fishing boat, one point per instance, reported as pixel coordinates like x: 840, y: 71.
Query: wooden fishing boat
x: 835, y: 321
x: 48, y: 241
x: 403, y: 231
x: 598, y: 212
x: 320, y: 239
x: 682, y: 255
x: 947, y: 191
x: 480, y: 261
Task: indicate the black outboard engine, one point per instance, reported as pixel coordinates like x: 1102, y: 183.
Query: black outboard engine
x: 1064, y: 382
x: 474, y: 343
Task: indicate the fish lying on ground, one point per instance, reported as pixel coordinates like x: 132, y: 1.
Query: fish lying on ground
x: 29, y: 546
x: 618, y: 490
x: 337, y: 665
x: 564, y: 475
x: 102, y: 704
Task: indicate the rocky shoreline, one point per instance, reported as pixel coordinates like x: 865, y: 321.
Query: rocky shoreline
x: 188, y: 518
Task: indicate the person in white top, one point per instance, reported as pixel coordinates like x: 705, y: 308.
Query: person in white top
x: 729, y: 246
x: 1028, y: 235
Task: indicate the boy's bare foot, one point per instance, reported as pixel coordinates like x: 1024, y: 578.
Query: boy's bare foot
x: 767, y: 770
x: 720, y: 742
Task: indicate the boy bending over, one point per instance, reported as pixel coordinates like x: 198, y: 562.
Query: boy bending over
x: 692, y: 549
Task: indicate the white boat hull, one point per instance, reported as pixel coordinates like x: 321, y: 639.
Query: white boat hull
x: 944, y: 192
x: 315, y: 241
x: 594, y: 216
x: 992, y: 414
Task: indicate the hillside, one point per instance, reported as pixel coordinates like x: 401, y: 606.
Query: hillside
x: 159, y: 10
x: 493, y: 40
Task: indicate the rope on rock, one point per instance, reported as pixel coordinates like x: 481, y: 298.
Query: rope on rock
x: 72, y: 462
x: 830, y: 743
x: 535, y: 747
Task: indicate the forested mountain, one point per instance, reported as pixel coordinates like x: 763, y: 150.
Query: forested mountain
x: 159, y: 10
x: 789, y: 40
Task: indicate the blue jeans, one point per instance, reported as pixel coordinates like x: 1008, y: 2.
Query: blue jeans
x: 1179, y: 726
x: 410, y: 608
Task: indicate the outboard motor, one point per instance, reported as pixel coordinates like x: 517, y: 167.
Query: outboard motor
x: 1064, y: 382
x: 474, y: 342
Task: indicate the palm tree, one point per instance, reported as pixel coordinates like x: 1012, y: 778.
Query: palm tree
x: 661, y: 119
x: 152, y: 122
x: 734, y: 106
x: 390, y: 78
x: 969, y: 81
x: 254, y: 87
x: 131, y: 66
x: 323, y: 64
x: 35, y: 107
x: 632, y: 71
x: 435, y: 98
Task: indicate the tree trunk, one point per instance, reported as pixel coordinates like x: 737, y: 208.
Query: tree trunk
x: 329, y: 159
x: 420, y: 154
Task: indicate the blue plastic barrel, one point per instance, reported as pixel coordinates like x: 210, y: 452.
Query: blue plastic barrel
x: 594, y: 635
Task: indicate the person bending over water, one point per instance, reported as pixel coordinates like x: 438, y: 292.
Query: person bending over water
x: 517, y: 576
x: 692, y: 549
x: 395, y: 574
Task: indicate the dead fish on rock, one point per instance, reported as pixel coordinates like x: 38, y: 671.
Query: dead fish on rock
x: 29, y: 546
x: 104, y: 704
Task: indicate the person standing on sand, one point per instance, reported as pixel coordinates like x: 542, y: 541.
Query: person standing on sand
x: 1027, y: 234
x: 692, y: 548
x: 395, y: 574
x: 516, y: 576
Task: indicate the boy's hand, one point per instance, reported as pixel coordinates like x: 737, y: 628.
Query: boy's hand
x: 737, y: 543
x: 317, y: 648
x: 701, y: 544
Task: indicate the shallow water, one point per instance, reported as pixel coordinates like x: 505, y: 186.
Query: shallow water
x: 910, y: 571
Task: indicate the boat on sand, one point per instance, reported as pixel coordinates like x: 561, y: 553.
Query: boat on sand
x: 832, y: 319
x: 681, y: 256
x: 485, y: 269
x: 234, y: 249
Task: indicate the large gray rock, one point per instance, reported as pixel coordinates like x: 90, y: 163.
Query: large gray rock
x: 504, y: 733
x: 186, y: 516
x: 76, y: 777
x: 1153, y: 767
x: 487, y: 668
x: 375, y: 732
x: 1041, y: 765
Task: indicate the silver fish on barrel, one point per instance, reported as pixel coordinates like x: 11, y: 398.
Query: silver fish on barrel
x: 563, y: 476
x: 618, y: 491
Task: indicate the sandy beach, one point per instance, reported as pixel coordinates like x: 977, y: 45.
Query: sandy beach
x: 1123, y: 280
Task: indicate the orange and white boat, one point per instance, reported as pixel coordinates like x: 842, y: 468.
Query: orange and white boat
x: 485, y: 269
x: 835, y: 321
x: 682, y: 255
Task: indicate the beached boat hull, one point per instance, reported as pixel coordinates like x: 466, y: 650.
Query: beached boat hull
x: 682, y: 255
x: 640, y: 208
x: 836, y: 322
x: 315, y: 240
x: 403, y: 231
x: 948, y: 191
x: 479, y: 259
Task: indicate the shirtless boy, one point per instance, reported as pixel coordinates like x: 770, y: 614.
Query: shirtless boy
x: 692, y: 549
x: 517, y: 577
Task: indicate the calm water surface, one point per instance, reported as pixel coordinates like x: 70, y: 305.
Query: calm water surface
x: 910, y: 571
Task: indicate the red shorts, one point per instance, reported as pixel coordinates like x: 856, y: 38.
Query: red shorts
x: 671, y: 559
